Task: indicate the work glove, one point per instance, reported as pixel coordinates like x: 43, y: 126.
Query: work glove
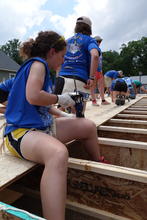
x: 67, y: 115
x: 65, y: 100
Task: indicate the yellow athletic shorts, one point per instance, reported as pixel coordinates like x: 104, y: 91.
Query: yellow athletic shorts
x: 12, y: 141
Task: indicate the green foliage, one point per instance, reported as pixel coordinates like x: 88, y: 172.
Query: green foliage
x: 11, y: 48
x: 111, y: 61
x: 132, y: 58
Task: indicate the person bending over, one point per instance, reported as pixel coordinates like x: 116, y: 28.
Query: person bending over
x: 118, y: 91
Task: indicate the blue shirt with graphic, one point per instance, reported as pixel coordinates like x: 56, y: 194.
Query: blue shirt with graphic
x: 77, y: 57
x: 20, y: 113
x: 113, y: 74
x: 128, y: 81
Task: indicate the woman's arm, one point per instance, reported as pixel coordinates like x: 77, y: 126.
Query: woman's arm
x: 34, y: 93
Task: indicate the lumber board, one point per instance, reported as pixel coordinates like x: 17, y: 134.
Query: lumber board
x: 131, y: 123
x: 137, y: 108
x: 143, y: 117
x: 123, y: 129
x: 102, y: 113
x: 124, y: 153
x: 92, y: 212
x: 135, y: 112
x: 128, y: 121
x: 117, y: 195
x: 12, y: 168
x: 109, y: 170
x: 123, y: 143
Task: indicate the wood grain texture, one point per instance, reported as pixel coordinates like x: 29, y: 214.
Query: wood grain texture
x: 115, y: 195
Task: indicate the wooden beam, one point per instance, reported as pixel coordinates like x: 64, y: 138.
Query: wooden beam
x: 132, y: 116
x: 123, y: 143
x: 137, y: 108
x: 109, y: 170
x: 96, y: 213
x: 8, y: 163
x: 123, y: 129
x: 135, y: 112
x: 127, y: 121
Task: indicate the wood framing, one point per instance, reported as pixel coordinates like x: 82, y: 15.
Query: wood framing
x: 119, y: 189
x: 115, y: 191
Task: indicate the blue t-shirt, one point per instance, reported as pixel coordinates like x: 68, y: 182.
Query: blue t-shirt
x: 113, y: 74
x: 77, y: 57
x: 114, y: 82
x: 128, y: 81
x: 7, y: 85
x: 20, y: 113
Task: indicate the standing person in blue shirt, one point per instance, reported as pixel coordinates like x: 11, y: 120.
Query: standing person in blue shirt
x: 81, y: 60
x: 5, y: 88
x: 33, y: 133
x: 98, y: 79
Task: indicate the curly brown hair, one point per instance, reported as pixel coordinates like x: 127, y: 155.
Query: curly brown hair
x: 42, y: 44
x: 83, y: 29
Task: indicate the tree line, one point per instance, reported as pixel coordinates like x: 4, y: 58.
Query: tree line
x: 132, y: 57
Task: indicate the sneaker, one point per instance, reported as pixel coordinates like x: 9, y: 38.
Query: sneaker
x: 102, y: 160
x: 94, y: 103
x: 104, y: 102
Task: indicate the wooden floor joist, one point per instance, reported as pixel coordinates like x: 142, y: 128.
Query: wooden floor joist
x: 131, y: 116
x: 135, y: 112
x: 122, y: 143
x: 128, y: 121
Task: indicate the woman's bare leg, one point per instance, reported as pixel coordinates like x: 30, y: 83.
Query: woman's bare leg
x: 82, y: 129
x: 101, y: 90
x: 92, y: 93
x: 44, y: 149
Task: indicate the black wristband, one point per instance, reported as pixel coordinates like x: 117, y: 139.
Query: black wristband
x: 91, y: 77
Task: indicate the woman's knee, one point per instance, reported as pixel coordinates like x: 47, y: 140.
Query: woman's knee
x: 59, y: 156
x: 89, y: 126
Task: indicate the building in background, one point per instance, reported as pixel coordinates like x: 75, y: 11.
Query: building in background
x: 8, y: 67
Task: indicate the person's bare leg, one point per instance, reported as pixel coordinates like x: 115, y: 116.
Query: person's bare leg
x: 84, y: 130
x: 101, y: 90
x: 92, y: 93
x: 44, y: 149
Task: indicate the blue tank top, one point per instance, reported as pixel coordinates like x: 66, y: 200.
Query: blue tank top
x: 77, y: 57
x: 21, y: 114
